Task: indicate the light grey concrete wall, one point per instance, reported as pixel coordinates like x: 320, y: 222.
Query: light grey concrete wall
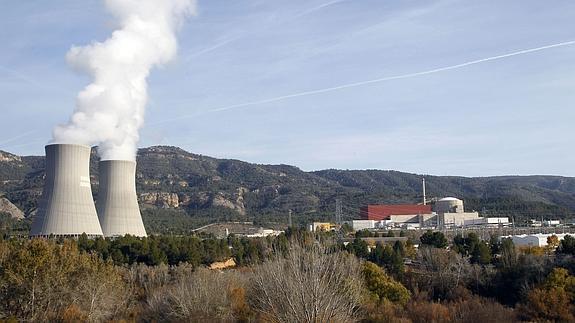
x: 67, y: 206
x: 117, y: 204
x: 450, y: 206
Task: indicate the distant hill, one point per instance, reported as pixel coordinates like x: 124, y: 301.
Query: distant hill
x: 178, y: 188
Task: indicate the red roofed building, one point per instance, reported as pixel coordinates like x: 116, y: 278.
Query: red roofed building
x: 384, y: 211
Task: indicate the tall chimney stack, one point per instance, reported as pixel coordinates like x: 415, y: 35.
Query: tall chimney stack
x: 67, y: 206
x: 424, y: 196
x: 117, y: 204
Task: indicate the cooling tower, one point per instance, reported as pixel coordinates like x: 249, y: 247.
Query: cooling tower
x: 117, y: 204
x: 67, y: 206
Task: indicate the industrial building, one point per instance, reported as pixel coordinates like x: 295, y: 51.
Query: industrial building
x: 489, y: 222
x: 450, y: 212
x: 446, y: 212
x: 117, y: 205
x: 358, y: 225
x: 533, y: 240
x: 67, y: 206
x: 321, y: 226
x: 386, y: 211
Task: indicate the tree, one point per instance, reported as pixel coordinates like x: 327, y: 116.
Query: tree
x: 567, y: 245
x: 508, y: 254
x: 560, y: 278
x: 363, y: 234
x: 435, y: 239
x: 552, y: 242
x: 42, y: 281
x: 494, y: 244
x: 443, y: 273
x: 481, y: 254
x: 465, y: 246
x: 410, y: 250
x: 203, y: 295
x: 359, y: 248
x: 383, y: 287
x: 377, y: 254
x: 553, y: 299
x: 310, y: 284
x: 396, y: 266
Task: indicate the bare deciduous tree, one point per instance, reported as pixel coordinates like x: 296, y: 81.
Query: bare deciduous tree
x: 443, y: 272
x: 309, y: 284
x: 201, y: 295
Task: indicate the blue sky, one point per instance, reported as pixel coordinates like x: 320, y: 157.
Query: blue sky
x: 508, y: 116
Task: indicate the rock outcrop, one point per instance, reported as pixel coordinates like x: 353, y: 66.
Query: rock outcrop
x: 160, y: 199
x: 9, y: 158
x: 220, y: 200
x: 9, y: 208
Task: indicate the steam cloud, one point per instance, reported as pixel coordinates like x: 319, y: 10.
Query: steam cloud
x: 110, y: 111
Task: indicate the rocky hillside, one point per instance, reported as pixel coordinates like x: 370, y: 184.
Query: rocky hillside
x: 172, y: 181
x: 10, y: 209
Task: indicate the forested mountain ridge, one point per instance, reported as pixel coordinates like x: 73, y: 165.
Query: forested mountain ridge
x: 174, y: 183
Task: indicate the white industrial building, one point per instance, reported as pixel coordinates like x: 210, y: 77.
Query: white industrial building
x: 533, y: 240
x: 422, y: 220
x: 499, y: 221
x: 551, y: 223
x: 262, y: 233
x: 358, y: 225
x: 450, y: 212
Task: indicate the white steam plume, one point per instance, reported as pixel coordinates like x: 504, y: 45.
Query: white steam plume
x: 110, y: 111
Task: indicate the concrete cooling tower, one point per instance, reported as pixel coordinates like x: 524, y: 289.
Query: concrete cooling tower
x: 117, y: 204
x: 67, y: 206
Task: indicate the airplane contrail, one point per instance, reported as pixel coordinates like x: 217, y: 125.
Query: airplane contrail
x: 317, y: 8
x: 211, y: 48
x: 21, y: 76
x: 242, y: 35
x: 28, y: 143
x: 26, y: 134
x: 373, y: 81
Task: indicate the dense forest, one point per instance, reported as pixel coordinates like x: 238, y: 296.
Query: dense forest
x: 295, y: 277
x: 179, y: 190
